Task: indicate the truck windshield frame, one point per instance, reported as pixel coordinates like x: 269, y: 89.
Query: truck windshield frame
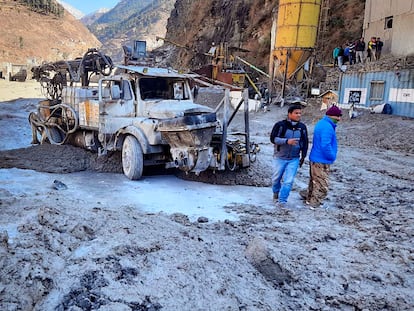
x: 162, y: 88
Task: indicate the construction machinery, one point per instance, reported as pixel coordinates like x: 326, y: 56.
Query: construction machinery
x: 294, y: 37
x: 221, y: 67
x: 146, y: 113
x: 13, y: 72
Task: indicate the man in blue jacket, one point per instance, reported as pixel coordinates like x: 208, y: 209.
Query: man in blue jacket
x: 290, y: 139
x: 322, y: 155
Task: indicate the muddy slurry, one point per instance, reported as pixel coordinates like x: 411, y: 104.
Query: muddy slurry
x: 60, y: 159
x: 64, y: 250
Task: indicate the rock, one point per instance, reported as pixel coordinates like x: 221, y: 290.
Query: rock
x: 202, y: 219
x: 4, y: 240
x: 260, y: 258
x: 58, y: 185
x: 83, y: 232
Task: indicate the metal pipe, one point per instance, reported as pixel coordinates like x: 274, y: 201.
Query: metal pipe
x: 252, y: 84
x: 285, y: 75
x: 236, y: 110
x: 223, y: 153
x: 252, y: 66
x: 246, y: 121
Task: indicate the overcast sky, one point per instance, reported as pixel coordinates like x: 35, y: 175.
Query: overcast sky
x: 89, y: 6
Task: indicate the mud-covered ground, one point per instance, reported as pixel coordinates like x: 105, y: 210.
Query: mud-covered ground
x: 82, y: 252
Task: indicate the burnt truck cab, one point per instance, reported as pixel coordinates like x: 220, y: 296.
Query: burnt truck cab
x: 149, y: 115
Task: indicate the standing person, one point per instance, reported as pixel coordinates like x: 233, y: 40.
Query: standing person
x: 351, y: 53
x: 369, y: 59
x: 378, y: 47
x: 290, y: 139
x: 371, y: 49
x: 340, y: 56
x: 360, y: 48
x: 322, y: 155
x: 347, y: 54
x: 265, y: 97
x: 335, y: 53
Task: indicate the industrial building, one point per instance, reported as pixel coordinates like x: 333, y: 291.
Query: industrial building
x: 393, y: 22
x: 390, y: 81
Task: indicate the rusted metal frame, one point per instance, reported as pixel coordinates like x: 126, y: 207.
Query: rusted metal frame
x: 223, y: 152
x: 246, y: 121
x: 236, y: 110
x: 285, y: 75
x: 252, y: 66
x: 253, y: 85
x: 226, y: 123
x: 73, y: 72
x: 219, y: 105
x: 312, y: 60
x: 203, y: 82
x: 300, y: 60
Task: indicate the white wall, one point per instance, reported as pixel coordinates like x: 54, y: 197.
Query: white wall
x: 398, y: 39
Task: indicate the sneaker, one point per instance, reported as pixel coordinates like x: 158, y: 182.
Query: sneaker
x: 281, y: 205
x: 309, y: 206
x: 275, y: 197
x: 312, y: 206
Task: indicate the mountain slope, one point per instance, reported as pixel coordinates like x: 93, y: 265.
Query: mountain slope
x: 30, y: 37
x: 75, y: 12
x: 246, y: 24
x: 132, y: 20
x: 123, y: 10
x: 93, y: 17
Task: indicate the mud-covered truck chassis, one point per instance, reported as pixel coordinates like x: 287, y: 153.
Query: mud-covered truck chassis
x: 146, y: 113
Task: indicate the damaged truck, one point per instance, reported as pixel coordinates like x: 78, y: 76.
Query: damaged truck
x: 146, y: 113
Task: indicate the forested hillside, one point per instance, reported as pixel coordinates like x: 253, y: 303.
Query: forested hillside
x: 44, y: 6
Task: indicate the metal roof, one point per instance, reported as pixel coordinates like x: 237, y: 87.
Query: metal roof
x: 329, y: 91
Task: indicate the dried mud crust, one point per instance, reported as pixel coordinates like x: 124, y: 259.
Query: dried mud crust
x: 298, y: 259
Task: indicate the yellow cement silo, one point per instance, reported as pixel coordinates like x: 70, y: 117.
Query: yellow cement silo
x: 296, y: 32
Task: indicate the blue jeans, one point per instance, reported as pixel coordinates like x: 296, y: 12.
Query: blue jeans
x: 284, y: 172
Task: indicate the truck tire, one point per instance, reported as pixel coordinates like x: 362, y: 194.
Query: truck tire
x: 132, y: 158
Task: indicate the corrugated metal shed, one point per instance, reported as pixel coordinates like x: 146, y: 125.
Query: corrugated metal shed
x: 365, y: 89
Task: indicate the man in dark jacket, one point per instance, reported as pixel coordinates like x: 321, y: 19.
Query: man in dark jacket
x: 290, y: 139
x: 378, y: 48
x: 360, y: 48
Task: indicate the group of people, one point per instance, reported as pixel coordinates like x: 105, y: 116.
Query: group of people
x: 290, y: 139
x: 354, y: 52
x: 374, y: 48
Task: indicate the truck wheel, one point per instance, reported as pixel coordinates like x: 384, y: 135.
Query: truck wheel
x: 132, y: 158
